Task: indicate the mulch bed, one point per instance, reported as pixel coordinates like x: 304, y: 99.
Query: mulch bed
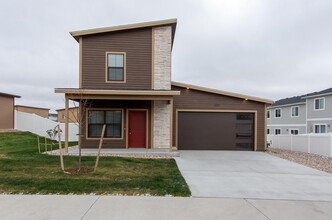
x: 78, y: 171
x: 318, y: 162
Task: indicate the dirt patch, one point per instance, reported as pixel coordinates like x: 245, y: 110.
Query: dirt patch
x: 79, y: 171
x: 318, y: 162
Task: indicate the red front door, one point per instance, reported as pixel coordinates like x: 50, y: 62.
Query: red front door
x: 137, y: 129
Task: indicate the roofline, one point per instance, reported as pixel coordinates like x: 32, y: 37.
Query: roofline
x: 220, y: 92
x: 31, y: 107
x: 295, y: 103
x: 317, y: 95
x: 9, y: 95
x: 117, y: 92
x: 61, y: 109
x: 77, y: 34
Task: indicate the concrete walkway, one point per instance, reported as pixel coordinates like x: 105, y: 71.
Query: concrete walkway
x: 253, y: 175
x: 111, y: 207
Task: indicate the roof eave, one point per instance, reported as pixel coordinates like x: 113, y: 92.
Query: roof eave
x: 317, y: 95
x: 285, y: 105
x: 220, y: 92
x: 116, y: 92
x: 78, y: 34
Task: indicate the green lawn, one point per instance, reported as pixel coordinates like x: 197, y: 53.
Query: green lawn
x: 24, y: 170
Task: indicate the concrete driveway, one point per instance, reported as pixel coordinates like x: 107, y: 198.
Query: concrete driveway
x: 253, y: 175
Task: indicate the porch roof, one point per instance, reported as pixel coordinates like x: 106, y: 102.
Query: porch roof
x: 117, y: 94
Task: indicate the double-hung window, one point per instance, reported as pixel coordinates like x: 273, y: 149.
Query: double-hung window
x: 116, y: 67
x: 277, y: 113
x: 320, y: 128
x: 268, y: 114
x: 320, y: 104
x: 112, y: 119
x: 295, y: 111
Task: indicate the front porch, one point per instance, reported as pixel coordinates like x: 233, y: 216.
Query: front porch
x: 131, y: 152
x: 134, y: 119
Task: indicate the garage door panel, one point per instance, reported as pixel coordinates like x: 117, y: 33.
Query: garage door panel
x: 213, y: 131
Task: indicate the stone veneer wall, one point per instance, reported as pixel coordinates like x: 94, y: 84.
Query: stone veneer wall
x: 161, y: 125
x: 162, y: 58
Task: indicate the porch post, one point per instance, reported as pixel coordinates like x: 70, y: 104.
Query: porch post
x: 66, y: 123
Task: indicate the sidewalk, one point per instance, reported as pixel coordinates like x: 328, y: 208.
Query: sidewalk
x: 125, y: 207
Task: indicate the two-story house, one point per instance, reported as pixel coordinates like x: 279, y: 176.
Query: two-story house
x: 319, y: 111
x: 310, y: 113
x: 125, y: 74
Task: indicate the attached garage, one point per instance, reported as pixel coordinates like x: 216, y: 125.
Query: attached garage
x: 208, y: 119
x: 199, y: 130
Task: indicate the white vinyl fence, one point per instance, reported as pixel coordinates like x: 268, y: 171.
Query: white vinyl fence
x: 320, y: 144
x: 39, y: 125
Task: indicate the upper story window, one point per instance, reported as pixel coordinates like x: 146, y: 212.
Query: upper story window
x: 277, y: 113
x: 116, y: 67
x: 320, y: 128
x: 268, y: 114
x: 320, y: 104
x: 295, y: 111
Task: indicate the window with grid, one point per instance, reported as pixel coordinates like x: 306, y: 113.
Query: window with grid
x: 115, y: 67
x: 112, y: 119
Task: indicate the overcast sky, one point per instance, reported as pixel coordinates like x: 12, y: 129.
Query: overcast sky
x: 266, y: 48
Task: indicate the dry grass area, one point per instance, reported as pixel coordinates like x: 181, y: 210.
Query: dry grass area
x: 318, y: 162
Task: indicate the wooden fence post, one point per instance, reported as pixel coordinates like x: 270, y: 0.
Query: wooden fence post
x: 99, y: 148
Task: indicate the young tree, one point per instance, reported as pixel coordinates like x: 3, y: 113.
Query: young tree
x: 80, y: 106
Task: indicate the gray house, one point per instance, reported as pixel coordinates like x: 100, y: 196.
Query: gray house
x: 310, y: 113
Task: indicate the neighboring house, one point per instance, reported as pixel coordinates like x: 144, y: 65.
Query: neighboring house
x: 311, y: 113
x: 42, y: 112
x: 7, y: 115
x: 125, y: 74
x: 72, y: 115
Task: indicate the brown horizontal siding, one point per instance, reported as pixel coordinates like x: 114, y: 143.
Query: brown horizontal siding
x: 102, y: 104
x: 137, y: 44
x: 194, y: 99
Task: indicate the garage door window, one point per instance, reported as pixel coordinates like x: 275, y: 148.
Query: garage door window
x: 244, y: 131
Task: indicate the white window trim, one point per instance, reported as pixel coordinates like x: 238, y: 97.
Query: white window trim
x: 321, y: 109
x: 298, y: 112
x: 294, y: 129
x: 275, y: 112
x: 320, y: 124
x: 275, y: 133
